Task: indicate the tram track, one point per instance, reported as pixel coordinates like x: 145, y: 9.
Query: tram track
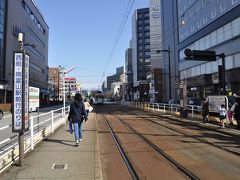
x: 178, y: 166
x: 183, y: 143
x: 187, y: 135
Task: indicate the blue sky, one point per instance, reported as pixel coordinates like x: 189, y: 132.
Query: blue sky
x: 82, y: 34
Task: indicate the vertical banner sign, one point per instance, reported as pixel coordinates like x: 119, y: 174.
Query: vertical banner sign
x: 26, y: 93
x: 17, y: 94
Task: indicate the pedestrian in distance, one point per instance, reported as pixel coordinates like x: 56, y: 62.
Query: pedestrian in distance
x: 205, y: 110
x: 76, y: 116
x: 230, y: 113
x: 86, y: 105
x: 222, y: 114
x: 237, y: 112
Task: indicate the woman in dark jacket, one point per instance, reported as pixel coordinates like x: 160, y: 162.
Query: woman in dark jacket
x: 76, y: 115
x: 205, y: 110
x: 237, y: 112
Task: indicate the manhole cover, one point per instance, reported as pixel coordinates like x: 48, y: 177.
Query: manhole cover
x: 59, y: 166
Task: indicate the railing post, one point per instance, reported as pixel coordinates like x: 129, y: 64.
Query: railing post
x: 192, y: 111
x: 52, y: 122
x: 31, y: 127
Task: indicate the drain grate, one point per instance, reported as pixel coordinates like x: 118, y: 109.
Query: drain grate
x: 59, y: 166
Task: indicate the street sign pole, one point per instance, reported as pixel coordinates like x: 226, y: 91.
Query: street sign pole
x: 20, y: 104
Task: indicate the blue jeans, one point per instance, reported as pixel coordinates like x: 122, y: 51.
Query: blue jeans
x: 77, y: 130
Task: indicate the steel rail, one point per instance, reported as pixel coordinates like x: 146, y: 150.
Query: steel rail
x: 199, y: 139
x: 123, y: 154
x: 159, y: 150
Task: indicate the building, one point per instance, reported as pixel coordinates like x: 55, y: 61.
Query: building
x: 209, y: 25
x: 140, y: 45
x: 23, y: 16
x: 70, y: 88
x: 164, y: 43
x: 114, y: 78
x: 128, y: 88
x: 54, y: 82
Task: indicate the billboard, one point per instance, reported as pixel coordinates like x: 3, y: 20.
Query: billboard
x: 33, y: 98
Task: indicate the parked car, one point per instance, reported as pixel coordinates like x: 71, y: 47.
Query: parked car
x: 1, y: 113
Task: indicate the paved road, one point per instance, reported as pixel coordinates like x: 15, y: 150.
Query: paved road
x: 6, y: 126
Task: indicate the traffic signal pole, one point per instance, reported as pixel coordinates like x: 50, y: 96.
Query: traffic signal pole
x: 199, y: 55
x: 223, y: 73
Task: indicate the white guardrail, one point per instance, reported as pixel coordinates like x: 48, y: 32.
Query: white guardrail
x: 37, y: 132
x: 167, y: 108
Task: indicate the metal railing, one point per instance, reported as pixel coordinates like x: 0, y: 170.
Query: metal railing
x: 41, y: 126
x: 192, y: 110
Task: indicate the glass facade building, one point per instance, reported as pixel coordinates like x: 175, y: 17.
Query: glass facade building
x: 209, y: 25
x: 2, y: 36
x: 23, y: 16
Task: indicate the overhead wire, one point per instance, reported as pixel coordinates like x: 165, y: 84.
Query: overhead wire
x: 121, y: 27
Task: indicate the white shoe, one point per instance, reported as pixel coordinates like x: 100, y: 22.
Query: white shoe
x: 77, y: 142
x: 80, y: 140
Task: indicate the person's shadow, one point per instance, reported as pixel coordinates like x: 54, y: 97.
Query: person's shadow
x: 60, y: 141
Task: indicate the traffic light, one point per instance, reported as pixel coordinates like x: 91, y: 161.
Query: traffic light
x: 199, y: 55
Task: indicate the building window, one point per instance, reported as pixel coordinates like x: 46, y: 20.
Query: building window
x: 236, y: 60
x: 140, y: 15
x: 192, y: 28
x: 213, y: 37
x: 214, y: 13
x: 236, y: 27
x: 227, y: 31
x: 147, y: 47
x: 146, y: 15
x: 147, y: 33
x: 146, y: 27
x: 234, y: 1
x: 146, y: 21
x: 222, y: 6
x: 220, y: 35
x: 147, y: 53
x: 147, y: 40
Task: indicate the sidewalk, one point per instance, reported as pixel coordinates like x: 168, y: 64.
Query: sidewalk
x: 214, y: 123
x: 59, y: 151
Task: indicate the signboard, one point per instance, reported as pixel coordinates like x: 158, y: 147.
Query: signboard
x: 20, y: 92
x: 26, y: 93
x: 33, y: 98
x: 17, y: 93
x: 216, y: 101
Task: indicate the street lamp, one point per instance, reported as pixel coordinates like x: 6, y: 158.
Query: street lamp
x: 64, y: 99
x: 169, y: 69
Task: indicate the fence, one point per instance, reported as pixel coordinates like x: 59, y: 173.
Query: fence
x: 41, y: 126
x: 192, y: 110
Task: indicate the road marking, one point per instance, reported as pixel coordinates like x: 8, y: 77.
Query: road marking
x: 4, y: 141
x: 4, y: 127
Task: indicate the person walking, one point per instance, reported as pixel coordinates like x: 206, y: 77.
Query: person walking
x: 76, y: 115
x: 205, y: 110
x: 222, y: 114
x: 86, y: 105
x: 237, y: 112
